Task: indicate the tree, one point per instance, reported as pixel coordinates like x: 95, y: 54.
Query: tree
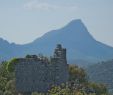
x: 11, y: 65
x: 77, y: 74
x: 3, y: 71
x: 3, y: 82
x: 3, y: 76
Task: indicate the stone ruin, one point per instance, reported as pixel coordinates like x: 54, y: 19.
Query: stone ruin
x: 38, y: 74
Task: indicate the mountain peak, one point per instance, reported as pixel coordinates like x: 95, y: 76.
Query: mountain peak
x: 78, y: 29
x: 76, y: 21
x: 76, y: 24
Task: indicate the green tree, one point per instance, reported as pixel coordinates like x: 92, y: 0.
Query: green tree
x: 3, y: 76
x: 11, y: 65
x: 3, y: 71
x: 77, y: 74
x: 3, y: 82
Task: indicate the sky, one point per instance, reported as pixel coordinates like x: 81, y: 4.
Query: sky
x: 22, y: 21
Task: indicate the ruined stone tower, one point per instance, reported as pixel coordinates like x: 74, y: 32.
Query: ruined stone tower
x: 34, y: 73
x: 59, y: 64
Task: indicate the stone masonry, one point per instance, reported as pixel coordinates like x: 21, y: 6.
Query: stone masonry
x: 37, y: 74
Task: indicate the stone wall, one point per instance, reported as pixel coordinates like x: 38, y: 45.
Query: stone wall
x: 35, y: 74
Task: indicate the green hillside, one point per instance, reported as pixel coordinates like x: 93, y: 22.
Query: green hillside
x: 102, y: 73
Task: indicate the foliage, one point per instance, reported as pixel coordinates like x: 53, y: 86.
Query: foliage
x: 28, y: 56
x: 3, y: 71
x: 102, y: 73
x: 7, y: 93
x: 3, y: 82
x: 5, y: 76
x: 77, y: 74
x: 1, y: 92
x: 36, y: 93
x: 58, y: 90
x: 10, y: 86
x: 99, y: 88
x: 11, y: 65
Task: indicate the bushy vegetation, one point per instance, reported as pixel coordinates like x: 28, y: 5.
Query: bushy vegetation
x: 102, y: 73
x: 7, y: 84
x: 77, y: 85
x: 11, y: 65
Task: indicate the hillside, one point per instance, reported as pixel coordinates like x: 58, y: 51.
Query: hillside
x: 74, y: 36
x: 102, y: 73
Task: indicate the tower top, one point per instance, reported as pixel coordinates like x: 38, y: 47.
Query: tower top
x: 60, y: 52
x: 59, y: 46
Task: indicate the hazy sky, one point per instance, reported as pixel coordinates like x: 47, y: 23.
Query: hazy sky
x: 22, y: 21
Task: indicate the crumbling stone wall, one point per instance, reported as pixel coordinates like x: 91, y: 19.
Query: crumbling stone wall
x: 36, y: 74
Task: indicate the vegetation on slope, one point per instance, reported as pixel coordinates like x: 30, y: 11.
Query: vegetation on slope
x: 102, y: 73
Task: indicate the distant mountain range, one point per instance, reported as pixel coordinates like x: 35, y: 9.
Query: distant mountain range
x: 102, y: 73
x: 74, y: 36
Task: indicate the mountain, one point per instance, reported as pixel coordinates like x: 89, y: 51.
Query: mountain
x: 5, y: 49
x: 102, y: 73
x: 78, y: 41
x: 74, y: 36
x: 8, y: 50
